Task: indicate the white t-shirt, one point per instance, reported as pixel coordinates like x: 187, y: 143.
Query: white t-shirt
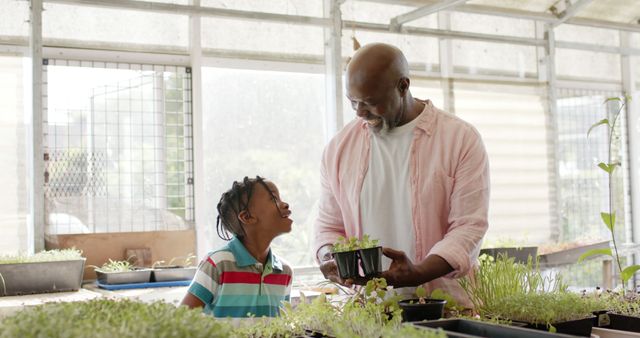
x: 385, y: 199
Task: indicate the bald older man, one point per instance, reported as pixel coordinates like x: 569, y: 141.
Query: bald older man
x: 407, y: 173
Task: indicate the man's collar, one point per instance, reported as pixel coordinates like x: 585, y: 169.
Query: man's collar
x: 426, y: 119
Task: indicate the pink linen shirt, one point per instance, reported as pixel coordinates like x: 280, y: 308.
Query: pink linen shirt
x: 449, y: 178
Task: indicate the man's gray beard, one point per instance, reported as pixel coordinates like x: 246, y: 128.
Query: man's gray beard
x: 384, y: 129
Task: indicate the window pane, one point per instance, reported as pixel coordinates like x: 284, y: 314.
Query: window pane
x: 417, y: 49
x: 248, y: 35
x: 476, y: 57
x: 94, y: 24
x: 13, y: 170
x: 14, y: 18
x: 591, y: 35
x: 115, y: 164
x: 635, y: 40
x: 291, y: 7
x: 269, y: 124
x: 376, y: 12
x: 495, y: 25
x: 512, y: 123
x: 636, y: 63
x: 587, y: 65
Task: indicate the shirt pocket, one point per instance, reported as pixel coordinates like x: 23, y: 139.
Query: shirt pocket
x: 435, y: 197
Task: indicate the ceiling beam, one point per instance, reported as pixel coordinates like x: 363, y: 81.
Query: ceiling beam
x: 524, y: 14
x: 397, y: 22
x: 570, y: 11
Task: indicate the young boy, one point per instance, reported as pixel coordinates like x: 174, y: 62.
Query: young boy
x: 244, y: 278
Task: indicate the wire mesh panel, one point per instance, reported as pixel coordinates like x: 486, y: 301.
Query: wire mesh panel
x: 118, y: 147
x: 584, y: 188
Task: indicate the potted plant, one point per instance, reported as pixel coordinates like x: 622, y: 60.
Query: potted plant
x: 620, y: 304
x: 622, y: 310
x: 348, y: 252
x: 161, y: 272
x: 370, y: 254
x: 609, y: 217
x: 561, y: 312
x: 121, y: 272
x: 422, y: 308
x: 46, y: 271
x: 499, y: 278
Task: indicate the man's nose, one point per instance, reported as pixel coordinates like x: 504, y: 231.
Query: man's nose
x: 360, y: 110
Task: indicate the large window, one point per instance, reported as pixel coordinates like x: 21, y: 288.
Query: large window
x: 511, y: 120
x: 118, y: 147
x: 13, y: 168
x: 583, y: 186
x: 270, y: 124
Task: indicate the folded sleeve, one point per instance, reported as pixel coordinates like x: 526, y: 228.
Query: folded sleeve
x: 468, y: 216
x: 329, y: 225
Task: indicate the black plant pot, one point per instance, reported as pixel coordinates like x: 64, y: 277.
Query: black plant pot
x: 578, y: 327
x: 413, y: 311
x: 172, y: 273
x: 624, y: 323
x: 315, y: 334
x: 347, y: 262
x: 371, y: 261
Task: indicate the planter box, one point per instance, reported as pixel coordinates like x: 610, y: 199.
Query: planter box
x: 172, y: 273
x: 413, y: 311
x: 126, y: 277
x: 579, y: 327
x: 521, y: 254
x: 464, y: 328
x: 569, y: 256
x: 41, y: 277
x: 623, y: 323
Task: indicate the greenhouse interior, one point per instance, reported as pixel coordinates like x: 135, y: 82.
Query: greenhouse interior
x: 455, y: 168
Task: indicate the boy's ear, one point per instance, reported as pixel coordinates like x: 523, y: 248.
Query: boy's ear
x: 245, y: 217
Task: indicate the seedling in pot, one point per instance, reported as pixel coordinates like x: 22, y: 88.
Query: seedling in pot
x: 347, y: 253
x: 422, y: 308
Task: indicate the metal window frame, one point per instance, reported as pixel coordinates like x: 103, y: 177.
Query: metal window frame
x: 80, y: 58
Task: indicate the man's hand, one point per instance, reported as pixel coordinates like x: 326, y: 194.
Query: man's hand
x: 403, y: 272
x: 329, y: 269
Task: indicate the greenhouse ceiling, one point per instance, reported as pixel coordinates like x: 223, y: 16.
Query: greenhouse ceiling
x: 621, y: 14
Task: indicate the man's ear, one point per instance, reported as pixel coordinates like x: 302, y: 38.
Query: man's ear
x: 403, y: 85
x: 245, y: 217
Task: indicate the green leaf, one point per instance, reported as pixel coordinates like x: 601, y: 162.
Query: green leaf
x: 599, y: 123
x: 608, y: 167
x: 595, y: 252
x: 628, y: 272
x: 609, y: 220
x: 614, y: 98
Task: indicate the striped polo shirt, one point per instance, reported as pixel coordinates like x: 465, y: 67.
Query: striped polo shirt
x: 232, y: 283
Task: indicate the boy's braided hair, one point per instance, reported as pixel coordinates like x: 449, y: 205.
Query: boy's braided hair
x: 232, y: 202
